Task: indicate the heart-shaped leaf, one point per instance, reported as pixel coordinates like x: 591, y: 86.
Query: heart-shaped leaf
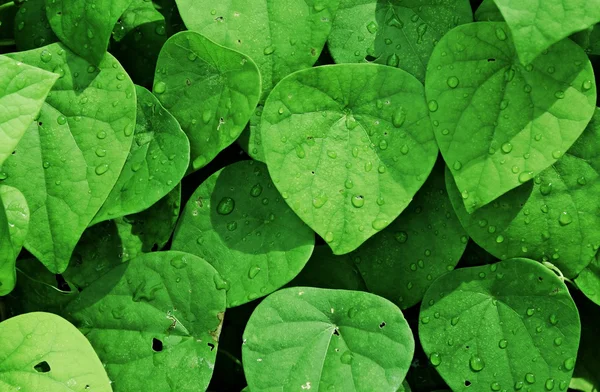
x: 505, y: 326
x: 306, y: 338
x: 498, y: 123
x: 348, y: 146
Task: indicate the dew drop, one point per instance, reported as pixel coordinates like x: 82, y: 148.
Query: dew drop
x: 226, y: 206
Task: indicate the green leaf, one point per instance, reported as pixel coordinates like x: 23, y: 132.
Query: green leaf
x: 306, y: 338
x: 237, y: 221
x: 85, y: 28
x: 32, y: 29
x: 510, y: 325
x: 281, y: 37
x: 70, y: 158
x: 554, y: 218
x: 348, y: 146
x: 211, y: 90
x: 325, y: 270
x: 44, y: 352
x: 156, y: 163
x: 488, y: 12
x: 139, y: 35
x: 399, y: 34
x: 536, y: 25
x: 23, y: 90
x: 588, y: 281
x: 423, y: 243
x: 14, y: 223
x: 588, y: 39
x: 498, y: 124
x: 585, y: 376
x: 163, y: 323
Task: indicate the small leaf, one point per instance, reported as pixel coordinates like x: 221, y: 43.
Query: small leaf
x: 399, y: 34
x: 499, y: 123
x: 156, y: 163
x: 536, y: 25
x: 348, y: 146
x: 502, y: 326
x: 23, y: 90
x: 85, y: 28
x: 211, y: 91
x: 14, y: 223
x: 237, y: 221
x: 305, y: 338
x: 44, y: 352
x: 160, y: 316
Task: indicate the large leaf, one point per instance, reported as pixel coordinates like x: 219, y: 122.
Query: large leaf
x: 69, y: 160
x: 156, y: 163
x: 423, y: 243
x: 23, y: 89
x: 588, y: 281
x: 14, y: 223
x: 498, y: 124
x: 510, y: 325
x: 400, y: 34
x: 536, y: 25
x: 44, y: 352
x: 554, y: 218
x: 85, y: 27
x: 237, y: 221
x: 348, y: 146
x: 154, y: 322
x: 32, y: 29
x: 306, y: 338
x: 210, y: 89
x: 281, y: 36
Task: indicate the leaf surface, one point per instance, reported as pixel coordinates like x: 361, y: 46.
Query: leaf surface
x: 510, y: 325
x: 32, y: 27
x: 498, y: 124
x: 156, y: 163
x: 14, y: 223
x: 538, y: 24
x: 70, y: 158
x: 23, y: 89
x: 211, y: 91
x: 44, y: 352
x: 237, y: 221
x: 85, y: 27
x: 154, y: 321
x: 306, y: 338
x: 553, y: 218
x: 399, y: 34
x: 280, y: 36
x: 348, y: 146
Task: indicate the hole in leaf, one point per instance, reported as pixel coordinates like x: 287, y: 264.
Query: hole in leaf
x: 491, y: 60
x: 40, y: 123
x: 212, y: 346
x: 336, y: 332
x: 157, y: 345
x: 42, y: 367
x: 154, y: 248
x: 62, y: 284
x: 188, y: 82
x: 467, y: 383
x: 219, y: 19
x: 467, y: 347
x: 540, y: 278
x: 370, y: 58
x: 382, y: 324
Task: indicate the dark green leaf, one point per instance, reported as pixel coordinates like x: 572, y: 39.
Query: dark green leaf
x: 32, y: 28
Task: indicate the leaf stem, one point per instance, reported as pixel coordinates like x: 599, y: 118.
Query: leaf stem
x: 7, y: 42
x: 7, y: 5
x: 558, y: 272
x: 231, y: 357
x: 44, y: 283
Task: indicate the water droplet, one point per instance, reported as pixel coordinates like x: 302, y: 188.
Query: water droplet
x: 546, y: 188
x: 503, y: 343
x: 506, y: 148
x: 457, y: 165
x: 586, y: 85
x: 319, y: 200
x: 207, y: 116
x: 329, y: 237
x: 530, y: 378
x: 372, y: 27
x: 101, y: 169
x: 401, y: 237
x: 495, y: 386
x: 100, y: 152
x: 269, y: 50
x: 358, y: 201
x: 433, y: 105
x: 346, y: 358
x: 452, y: 82
x: 558, y: 341
x: 569, y: 364
x: 379, y: 224
x: 500, y: 34
x: 178, y: 262
x: 559, y: 94
x: 525, y: 176
x: 226, y: 206
x: 220, y: 283
x: 256, y: 190
x: 530, y: 312
x: 393, y: 60
x: 160, y: 87
x: 300, y: 151
x: 46, y: 56
x: 499, y: 239
x: 253, y: 271
x: 61, y: 120
x: 435, y: 359
x: 399, y: 118
x: 549, y: 385
x: 476, y: 363
x: 383, y: 144
x: 564, y: 218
